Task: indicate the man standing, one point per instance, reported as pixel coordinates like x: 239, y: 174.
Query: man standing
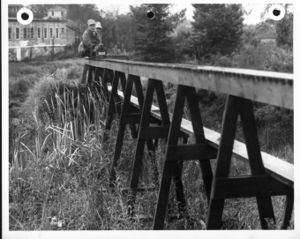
x: 90, y: 41
x: 98, y: 31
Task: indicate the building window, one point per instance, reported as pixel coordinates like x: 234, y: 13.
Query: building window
x: 52, y: 13
x: 45, y: 32
x: 24, y: 33
x: 39, y: 32
x: 17, y: 33
x: 62, y: 30
x: 56, y: 32
x: 31, y: 33
x: 51, y: 33
x: 9, y: 33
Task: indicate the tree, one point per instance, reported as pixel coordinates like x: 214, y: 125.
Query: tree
x: 125, y: 32
x: 39, y: 11
x: 152, y: 38
x: 118, y: 31
x: 79, y: 14
x: 217, y: 29
x: 181, y: 38
x: 284, y: 27
x: 284, y: 31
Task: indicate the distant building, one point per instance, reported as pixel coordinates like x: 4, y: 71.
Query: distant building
x: 40, y: 34
x: 56, y: 12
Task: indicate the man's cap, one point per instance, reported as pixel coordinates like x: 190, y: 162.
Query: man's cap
x: 91, y: 22
x: 98, y: 25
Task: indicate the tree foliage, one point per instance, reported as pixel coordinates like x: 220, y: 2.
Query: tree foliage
x: 217, y: 29
x: 39, y: 10
x: 284, y: 27
x: 152, y: 40
x: 284, y: 31
x: 118, y: 31
x: 78, y: 14
x: 181, y: 39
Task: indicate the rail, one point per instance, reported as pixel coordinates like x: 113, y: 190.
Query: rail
x: 269, y: 175
x: 272, y: 88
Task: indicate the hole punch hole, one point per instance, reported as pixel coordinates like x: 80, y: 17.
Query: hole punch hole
x: 276, y: 12
x: 24, y: 16
x: 150, y: 15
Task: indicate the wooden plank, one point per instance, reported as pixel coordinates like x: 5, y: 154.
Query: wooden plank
x: 154, y: 132
x: 171, y: 169
x: 130, y: 118
x: 272, y: 88
x: 139, y: 152
x: 192, y: 152
x: 216, y: 204
x: 248, y: 186
x: 279, y: 168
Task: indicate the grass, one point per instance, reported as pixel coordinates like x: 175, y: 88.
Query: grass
x: 58, y: 175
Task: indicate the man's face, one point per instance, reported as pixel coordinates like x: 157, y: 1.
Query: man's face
x: 92, y: 27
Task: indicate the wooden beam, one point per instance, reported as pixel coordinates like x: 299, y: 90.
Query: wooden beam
x: 154, y: 132
x: 248, y: 186
x: 278, y: 168
x: 192, y: 152
x: 272, y: 88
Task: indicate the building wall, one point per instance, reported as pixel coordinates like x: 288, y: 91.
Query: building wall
x: 40, y: 32
x: 43, y: 36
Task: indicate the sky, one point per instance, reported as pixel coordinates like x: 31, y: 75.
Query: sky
x: 254, y: 10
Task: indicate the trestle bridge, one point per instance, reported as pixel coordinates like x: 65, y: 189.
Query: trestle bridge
x: 270, y: 176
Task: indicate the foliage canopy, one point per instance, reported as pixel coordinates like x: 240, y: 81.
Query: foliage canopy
x: 217, y: 29
x: 152, y: 39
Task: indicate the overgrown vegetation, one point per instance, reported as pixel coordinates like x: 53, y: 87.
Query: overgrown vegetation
x: 59, y: 167
x: 59, y: 177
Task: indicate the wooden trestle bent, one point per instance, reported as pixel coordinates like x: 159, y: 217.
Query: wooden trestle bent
x: 269, y: 175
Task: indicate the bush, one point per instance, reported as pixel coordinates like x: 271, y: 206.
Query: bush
x: 266, y: 57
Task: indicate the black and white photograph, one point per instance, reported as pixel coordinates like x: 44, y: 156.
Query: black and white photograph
x: 136, y: 116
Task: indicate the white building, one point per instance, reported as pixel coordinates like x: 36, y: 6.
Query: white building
x: 40, y: 36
